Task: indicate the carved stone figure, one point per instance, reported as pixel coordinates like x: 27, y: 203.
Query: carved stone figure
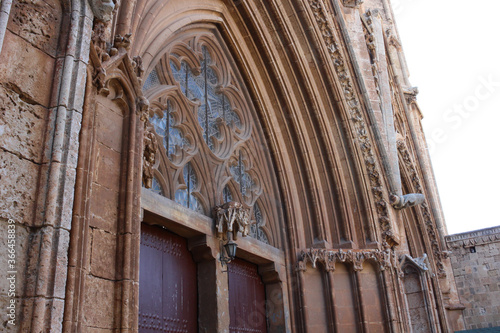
x: 149, y: 157
x: 407, y: 200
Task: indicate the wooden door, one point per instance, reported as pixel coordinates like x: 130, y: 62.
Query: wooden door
x: 167, y: 283
x: 247, y: 298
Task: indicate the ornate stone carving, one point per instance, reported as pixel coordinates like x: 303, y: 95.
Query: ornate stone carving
x: 149, y: 155
x: 102, y: 9
x: 422, y: 262
x: 360, y: 127
x: 137, y: 63
x: 352, y: 3
x: 371, y: 44
x: 407, y: 200
x: 426, y: 213
x: 120, y: 41
x: 393, y: 40
x: 101, y: 53
x: 232, y: 217
x: 411, y: 95
x: 142, y: 108
x: 328, y: 258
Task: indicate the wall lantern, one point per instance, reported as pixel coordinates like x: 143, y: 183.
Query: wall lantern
x: 230, y: 218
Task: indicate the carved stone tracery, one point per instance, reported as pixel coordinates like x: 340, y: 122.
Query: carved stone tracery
x: 202, y: 116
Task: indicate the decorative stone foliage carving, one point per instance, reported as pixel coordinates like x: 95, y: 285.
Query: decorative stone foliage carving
x: 360, y: 127
x: 438, y: 255
x: 232, y: 217
x: 328, y: 258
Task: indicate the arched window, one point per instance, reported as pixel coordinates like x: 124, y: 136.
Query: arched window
x: 212, y: 145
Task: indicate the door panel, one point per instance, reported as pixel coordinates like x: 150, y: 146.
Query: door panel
x: 247, y: 298
x: 167, y: 283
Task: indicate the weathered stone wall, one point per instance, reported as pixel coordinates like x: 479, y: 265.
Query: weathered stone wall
x: 27, y: 64
x: 475, y: 257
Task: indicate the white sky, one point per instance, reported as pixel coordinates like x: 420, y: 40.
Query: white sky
x: 452, y: 48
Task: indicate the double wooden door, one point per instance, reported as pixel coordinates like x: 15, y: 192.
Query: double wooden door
x: 168, y: 299
x: 168, y: 295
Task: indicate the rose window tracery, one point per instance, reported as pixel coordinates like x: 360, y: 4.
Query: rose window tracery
x: 209, y: 135
x: 214, y: 107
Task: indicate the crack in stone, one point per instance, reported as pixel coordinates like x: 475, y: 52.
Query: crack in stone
x: 22, y: 157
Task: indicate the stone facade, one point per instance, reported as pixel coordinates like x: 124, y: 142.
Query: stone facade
x: 475, y: 257
x: 107, y: 123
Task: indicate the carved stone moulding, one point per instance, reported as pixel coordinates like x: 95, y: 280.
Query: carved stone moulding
x: 328, y: 258
x: 355, y: 110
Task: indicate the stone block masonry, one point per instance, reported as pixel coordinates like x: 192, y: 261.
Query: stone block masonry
x: 475, y: 257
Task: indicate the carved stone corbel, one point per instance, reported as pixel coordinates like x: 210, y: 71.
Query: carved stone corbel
x: 232, y: 217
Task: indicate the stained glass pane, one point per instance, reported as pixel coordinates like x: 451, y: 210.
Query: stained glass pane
x: 227, y: 196
x: 151, y: 81
x: 156, y: 187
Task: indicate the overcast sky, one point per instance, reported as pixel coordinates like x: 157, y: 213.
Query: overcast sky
x: 452, y: 49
